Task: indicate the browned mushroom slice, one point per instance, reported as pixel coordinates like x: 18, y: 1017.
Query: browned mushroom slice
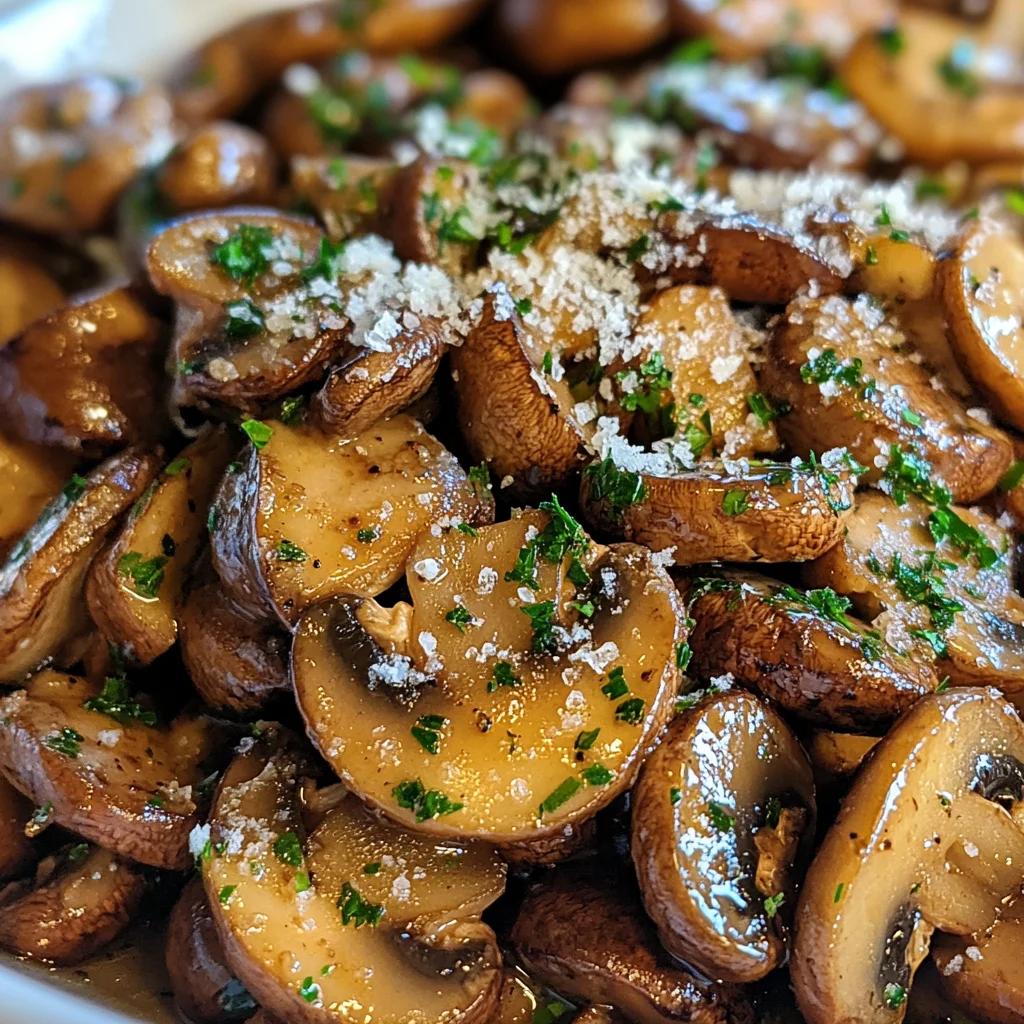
x: 757, y: 121
x: 309, y: 516
x: 803, y: 651
x: 592, y: 941
x: 749, y: 28
x: 566, y: 34
x: 743, y: 511
x: 722, y: 815
x: 836, y: 756
x: 923, y: 841
x: 67, y: 150
x: 934, y: 85
x: 30, y: 476
x: 107, y: 772
x: 134, y: 587
x: 233, y: 661
x: 980, y: 974
x: 368, y: 385
x: 16, y: 851
x: 372, y: 916
x: 840, y: 367
x: 518, y: 1001
x: 258, y: 303
x: 524, y: 428
x: 351, y: 195
x: 41, y: 580
x: 982, y: 298
x: 81, y: 899
x: 221, y: 77
x: 889, y: 565
x: 206, y: 990
x: 27, y: 292
x: 516, y: 698
x: 87, y: 376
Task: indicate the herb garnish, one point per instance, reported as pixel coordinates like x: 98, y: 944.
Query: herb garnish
x: 146, y: 574
x: 425, y: 804
x: 241, y: 257
x: 356, y: 910
x: 115, y: 701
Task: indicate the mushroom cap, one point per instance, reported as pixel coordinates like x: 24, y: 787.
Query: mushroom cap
x: 832, y: 671
x: 310, y: 516
x: 81, y: 899
x: 729, y: 760
x: 413, y: 949
x: 919, y: 843
x: 514, y: 731
x: 124, y: 786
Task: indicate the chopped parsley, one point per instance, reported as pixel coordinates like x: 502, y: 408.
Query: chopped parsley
x: 764, y: 410
x: 372, y: 868
x: 547, y: 363
x: 548, y: 1013
x: 309, y: 990
x: 115, y: 701
x: 637, y: 248
x: 425, y: 804
x: 327, y: 261
x: 257, y: 432
x: 683, y: 655
x: 542, y: 617
x: 78, y: 853
x: 956, y: 70
x: 357, y: 911
x: 828, y: 367
x: 565, y: 791
x: 427, y: 732
x: 833, y: 607
x: 943, y: 685
x: 525, y: 569
x: 736, y: 502
x: 924, y: 585
x: 244, y: 319
x: 891, y: 41
x: 224, y: 896
x: 287, y: 551
x: 597, y: 775
x: 65, y: 742
x: 480, y: 482
x: 524, y: 306
x: 293, y: 410
x: 242, y: 256
x: 617, y: 488
x: 586, y: 739
x: 694, y: 51
x: 177, y: 467
x: 654, y: 381
x: 502, y: 675
x: 368, y: 536
x: 1012, y: 478
x: 616, y: 686
x: 41, y: 815
x: 469, y: 531
x: 460, y: 618
x: 675, y: 794
x: 302, y: 882
x: 288, y: 849
x: 631, y: 711
x: 146, y: 574
x: 871, y: 256
x: 74, y: 488
x: 772, y: 904
x: 894, y: 995
x: 838, y: 895
x: 719, y: 817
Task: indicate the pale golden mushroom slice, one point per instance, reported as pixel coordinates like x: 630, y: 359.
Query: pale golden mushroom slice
x: 81, y: 898
x: 933, y: 82
x: 840, y: 366
x: 205, y: 989
x: 518, y: 694
x: 108, y: 772
x: 693, y: 376
x: 743, y: 511
x: 923, y: 841
x: 836, y: 756
x: 135, y: 586
x: 234, y: 661
x: 68, y: 150
x: 88, y: 376
x: 980, y: 974
x: 41, y: 580
x: 514, y: 416
x: 956, y: 595
x: 309, y: 516
x: 350, y: 194
x: 588, y: 937
x: 981, y: 293
x: 750, y: 28
x: 722, y: 817
x: 802, y: 650
x: 30, y: 477
x: 17, y: 853
x: 258, y: 305
x: 375, y: 919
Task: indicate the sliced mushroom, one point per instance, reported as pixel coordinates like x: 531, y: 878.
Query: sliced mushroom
x: 135, y: 586
x: 41, y: 606
x: 87, y: 376
x: 889, y: 565
x: 16, y: 851
x: 518, y: 1001
x: 233, y: 661
x: 555, y: 37
x: 372, y: 917
x: 839, y: 366
x: 803, y: 651
x: 748, y: 511
x: 27, y: 292
x: 30, y: 476
x: 205, y: 989
x: 351, y: 195
x: 748, y: 28
x: 107, y: 773
x: 982, y: 299
x: 837, y: 755
x: 592, y: 941
x: 67, y: 150
x: 513, y: 417
x: 257, y: 303
x: 980, y: 974
x: 309, y: 516
x: 935, y: 86
x: 923, y: 841
x: 510, y: 714
x: 723, y: 814
x: 81, y: 899
x: 366, y: 385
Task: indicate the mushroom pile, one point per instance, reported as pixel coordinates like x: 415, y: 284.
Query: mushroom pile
x: 477, y: 563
